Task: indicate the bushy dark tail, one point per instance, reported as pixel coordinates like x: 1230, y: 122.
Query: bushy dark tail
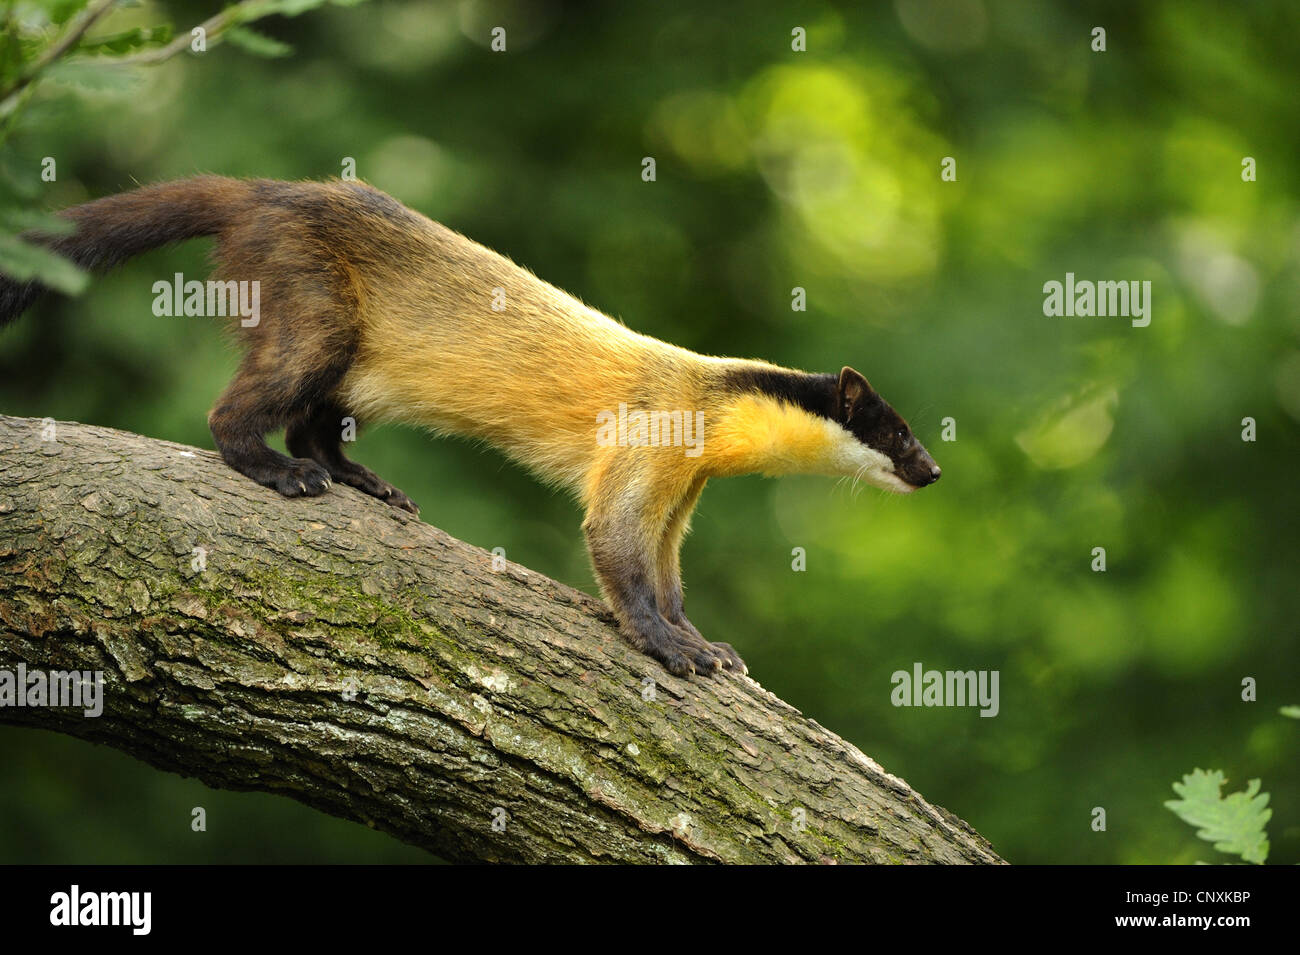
x: 111, y: 230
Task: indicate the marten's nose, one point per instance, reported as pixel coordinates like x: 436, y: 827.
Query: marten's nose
x: 935, y: 473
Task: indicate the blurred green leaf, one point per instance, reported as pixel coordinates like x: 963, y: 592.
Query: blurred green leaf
x: 61, y: 11
x: 96, y: 74
x: 284, y: 8
x: 18, y: 180
x: 128, y: 41
x: 259, y: 44
x: 23, y: 261
x: 21, y: 220
x: 1234, y: 824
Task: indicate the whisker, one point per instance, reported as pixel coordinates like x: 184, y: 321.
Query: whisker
x: 857, y: 476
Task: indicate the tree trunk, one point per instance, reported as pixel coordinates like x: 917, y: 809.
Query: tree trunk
x: 343, y: 653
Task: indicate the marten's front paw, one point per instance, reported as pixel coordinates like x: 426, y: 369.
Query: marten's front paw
x: 302, y: 478
x: 673, y: 658
x: 733, y: 661
x: 727, y: 658
x: 655, y: 637
x: 681, y: 649
x: 707, y: 659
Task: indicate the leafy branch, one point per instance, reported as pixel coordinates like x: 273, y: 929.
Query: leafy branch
x: 67, y: 41
x: 53, y: 39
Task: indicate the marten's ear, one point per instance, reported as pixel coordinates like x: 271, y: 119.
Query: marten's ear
x: 852, y: 394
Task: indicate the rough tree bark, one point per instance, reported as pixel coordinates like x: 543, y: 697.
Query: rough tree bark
x: 346, y: 654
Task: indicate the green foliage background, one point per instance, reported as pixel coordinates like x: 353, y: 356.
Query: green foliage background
x: 821, y: 170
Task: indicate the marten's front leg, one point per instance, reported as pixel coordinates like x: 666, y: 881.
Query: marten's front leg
x: 624, y: 529
x: 668, y: 586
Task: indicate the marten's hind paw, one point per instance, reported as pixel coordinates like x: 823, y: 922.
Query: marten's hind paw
x: 301, y: 477
x: 395, y: 498
x: 399, y: 500
x: 366, y: 481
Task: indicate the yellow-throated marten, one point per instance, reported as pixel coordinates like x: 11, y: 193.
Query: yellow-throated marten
x: 370, y: 310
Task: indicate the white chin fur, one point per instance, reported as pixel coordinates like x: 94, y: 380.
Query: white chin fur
x: 867, y: 465
x: 890, y: 482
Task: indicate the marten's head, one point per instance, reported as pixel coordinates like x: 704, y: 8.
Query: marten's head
x: 900, y: 462
x: 780, y: 421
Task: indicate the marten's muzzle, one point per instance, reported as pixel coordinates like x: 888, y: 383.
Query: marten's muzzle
x: 917, y: 468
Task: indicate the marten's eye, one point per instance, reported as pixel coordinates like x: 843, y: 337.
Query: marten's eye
x: 901, y: 435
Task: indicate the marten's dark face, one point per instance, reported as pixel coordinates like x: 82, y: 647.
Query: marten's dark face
x: 871, y: 420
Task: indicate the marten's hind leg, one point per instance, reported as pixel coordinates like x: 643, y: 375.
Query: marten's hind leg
x: 297, y: 355
x: 253, y: 405
x: 319, y: 436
